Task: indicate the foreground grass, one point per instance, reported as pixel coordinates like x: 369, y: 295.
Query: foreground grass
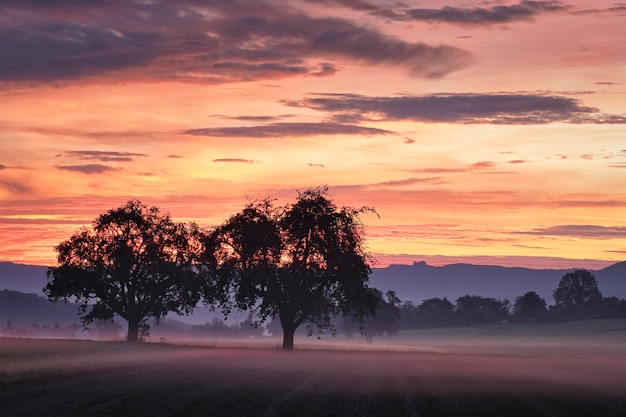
x: 83, y: 378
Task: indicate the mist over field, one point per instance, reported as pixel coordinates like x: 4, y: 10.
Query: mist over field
x: 450, y: 375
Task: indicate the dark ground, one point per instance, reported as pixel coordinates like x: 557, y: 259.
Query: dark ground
x: 81, y: 378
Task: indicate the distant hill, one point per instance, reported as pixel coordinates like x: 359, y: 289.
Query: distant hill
x: 411, y: 282
x: 21, y: 309
x: 420, y: 281
x: 22, y: 278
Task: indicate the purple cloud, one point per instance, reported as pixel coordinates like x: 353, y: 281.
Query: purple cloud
x: 286, y: 130
x: 500, y: 108
x: 580, y: 231
x: 236, y: 160
x: 408, y: 181
x: 497, y: 14
x: 487, y: 15
x: 176, y: 41
x: 89, y: 169
x: 105, y: 156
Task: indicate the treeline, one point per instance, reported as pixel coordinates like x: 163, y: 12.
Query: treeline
x: 474, y: 310
x: 577, y: 297
x: 100, y: 330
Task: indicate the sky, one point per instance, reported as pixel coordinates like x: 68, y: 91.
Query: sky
x: 488, y: 132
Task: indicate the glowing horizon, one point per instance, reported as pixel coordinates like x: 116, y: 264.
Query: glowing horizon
x: 481, y: 132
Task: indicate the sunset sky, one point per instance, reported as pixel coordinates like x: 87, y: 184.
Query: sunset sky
x: 488, y: 132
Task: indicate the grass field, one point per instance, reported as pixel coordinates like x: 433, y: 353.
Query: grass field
x: 540, y: 370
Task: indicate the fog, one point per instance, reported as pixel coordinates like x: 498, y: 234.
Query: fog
x: 355, y: 377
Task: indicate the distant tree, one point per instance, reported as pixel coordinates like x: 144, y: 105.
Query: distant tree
x: 530, y: 307
x: 408, y: 315
x: 435, y: 312
x: 578, y: 294
x: 273, y: 327
x: 135, y: 263
x: 614, y: 308
x: 106, y: 329
x: 384, y: 321
x: 302, y: 263
x: 473, y: 310
x: 250, y: 327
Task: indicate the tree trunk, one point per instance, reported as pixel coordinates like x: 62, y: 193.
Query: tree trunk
x: 288, y: 332
x: 133, y: 331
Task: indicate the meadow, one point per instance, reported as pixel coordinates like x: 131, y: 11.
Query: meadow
x: 506, y: 370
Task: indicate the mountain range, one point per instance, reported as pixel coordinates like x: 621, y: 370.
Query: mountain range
x: 420, y: 281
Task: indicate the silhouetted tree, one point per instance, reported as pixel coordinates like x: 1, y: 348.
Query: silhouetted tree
x: 530, y: 307
x: 384, y: 321
x: 302, y: 263
x: 473, y: 310
x: 435, y: 312
x: 578, y: 294
x: 135, y: 263
x: 408, y: 315
x: 614, y: 308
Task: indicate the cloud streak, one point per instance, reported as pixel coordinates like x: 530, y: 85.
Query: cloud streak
x: 497, y: 108
x: 88, y: 169
x: 580, y: 231
x: 234, y: 160
x: 495, y: 15
x: 279, y: 130
x: 105, y: 156
x: 15, y: 186
x: 498, y: 14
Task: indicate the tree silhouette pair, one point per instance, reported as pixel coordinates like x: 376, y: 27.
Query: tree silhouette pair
x: 302, y: 264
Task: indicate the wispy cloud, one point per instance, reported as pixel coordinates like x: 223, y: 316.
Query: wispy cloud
x: 88, y: 169
x: 234, y: 160
x: 190, y: 41
x: 15, y: 186
x: 496, y: 14
x: 483, y: 165
x: 531, y: 247
x: 476, y: 166
x: 105, y: 156
x: 247, y: 118
x: 439, y: 170
x: 580, y: 231
x: 497, y: 108
x: 493, y: 15
x: 286, y: 130
x: 408, y: 181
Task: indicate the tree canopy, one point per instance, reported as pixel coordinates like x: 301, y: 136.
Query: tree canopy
x: 475, y: 310
x: 134, y: 263
x: 578, y: 294
x: 302, y: 263
x: 386, y: 319
x: 530, y: 307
